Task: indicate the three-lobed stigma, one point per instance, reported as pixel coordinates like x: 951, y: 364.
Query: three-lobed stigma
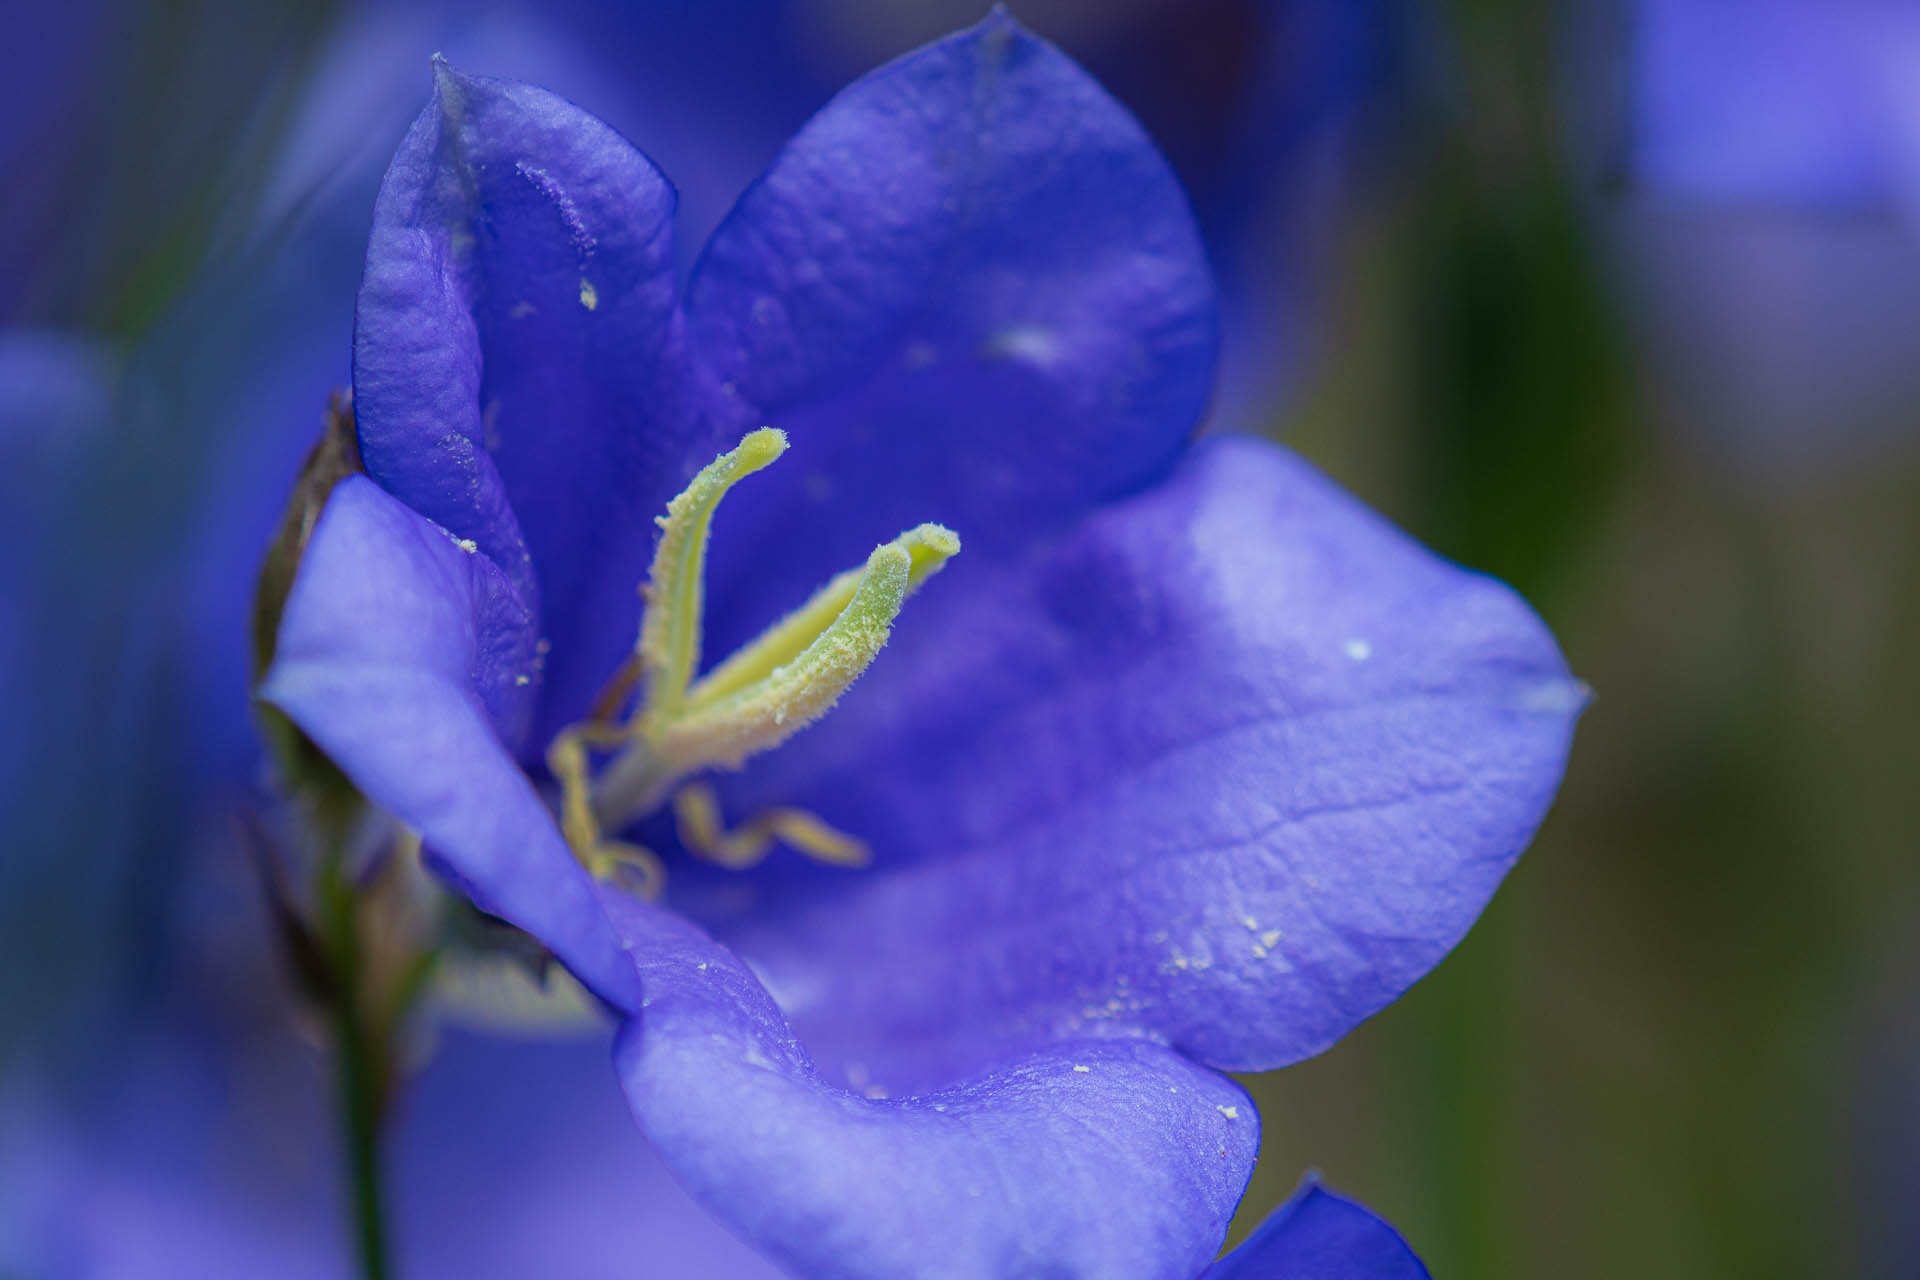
x: 761, y: 695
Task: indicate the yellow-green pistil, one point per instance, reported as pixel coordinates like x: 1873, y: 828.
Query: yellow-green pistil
x: 766, y: 692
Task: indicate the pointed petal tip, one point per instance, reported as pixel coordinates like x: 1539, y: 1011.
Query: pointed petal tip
x: 450, y: 86
x: 1562, y: 695
x: 453, y: 86
x: 998, y: 19
x: 998, y: 30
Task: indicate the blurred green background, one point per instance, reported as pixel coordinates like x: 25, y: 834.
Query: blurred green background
x: 1681, y: 1041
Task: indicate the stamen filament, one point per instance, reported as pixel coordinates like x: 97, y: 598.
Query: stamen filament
x: 567, y: 761
x: 613, y: 695
x: 635, y: 868
x: 696, y: 813
x: 669, y: 646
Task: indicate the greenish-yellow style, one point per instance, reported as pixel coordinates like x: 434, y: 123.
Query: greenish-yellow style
x: 760, y: 696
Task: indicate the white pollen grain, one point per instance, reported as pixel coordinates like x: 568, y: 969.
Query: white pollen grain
x: 1081, y: 1069
x: 1231, y: 1113
x: 467, y: 545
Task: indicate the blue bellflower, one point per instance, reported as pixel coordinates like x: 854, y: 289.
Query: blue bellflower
x: 1187, y: 763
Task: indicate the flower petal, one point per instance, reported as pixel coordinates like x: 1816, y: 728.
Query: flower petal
x: 1233, y: 766
x: 972, y: 291
x: 1317, y: 1235
x: 1018, y: 1172
x: 519, y: 363
x: 401, y: 653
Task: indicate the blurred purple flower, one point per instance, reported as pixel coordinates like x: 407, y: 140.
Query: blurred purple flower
x: 1187, y: 764
x: 207, y: 1153
x: 1772, y: 159
x: 1774, y: 102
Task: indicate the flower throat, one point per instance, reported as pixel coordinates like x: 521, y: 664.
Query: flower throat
x: 764, y: 693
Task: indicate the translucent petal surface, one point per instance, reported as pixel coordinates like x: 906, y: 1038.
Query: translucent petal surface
x: 519, y: 366
x: 1115, y: 1158
x: 972, y: 292
x: 1232, y: 766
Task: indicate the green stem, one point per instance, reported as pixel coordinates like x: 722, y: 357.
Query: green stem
x: 361, y: 1085
x: 361, y: 1109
